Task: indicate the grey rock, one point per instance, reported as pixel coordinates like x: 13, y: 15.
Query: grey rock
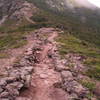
x: 29, y: 69
x: 75, y: 87
x: 74, y: 96
x: 26, y: 71
x: 4, y: 94
x: 66, y: 74
x: 1, y: 90
x: 15, y: 85
x: 29, y: 51
x: 3, y: 82
x: 43, y: 76
x: 27, y: 81
x: 60, y: 67
x: 10, y: 79
x: 23, y: 62
x: 15, y: 72
x: 17, y: 65
x: 13, y: 92
x: 60, y: 64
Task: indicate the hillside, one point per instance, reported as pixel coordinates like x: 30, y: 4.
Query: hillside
x: 85, y: 17
x: 49, y: 50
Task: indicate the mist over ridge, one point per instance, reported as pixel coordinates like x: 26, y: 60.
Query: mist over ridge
x: 65, y: 4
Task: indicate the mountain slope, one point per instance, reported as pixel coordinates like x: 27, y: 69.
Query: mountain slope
x: 15, y: 10
x: 14, y: 21
x: 48, y: 53
x: 82, y: 21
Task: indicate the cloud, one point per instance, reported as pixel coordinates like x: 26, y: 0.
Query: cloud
x: 79, y: 3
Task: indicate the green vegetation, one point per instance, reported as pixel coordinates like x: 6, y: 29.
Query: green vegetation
x: 90, y: 95
x: 14, y: 40
x: 12, y: 36
x: 94, y: 67
x: 69, y: 43
x: 88, y: 84
x: 39, y: 18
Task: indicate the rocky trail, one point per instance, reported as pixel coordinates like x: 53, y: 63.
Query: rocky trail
x: 44, y: 76
x: 37, y: 71
x: 41, y: 74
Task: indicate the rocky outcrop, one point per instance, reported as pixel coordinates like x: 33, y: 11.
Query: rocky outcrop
x: 15, y: 10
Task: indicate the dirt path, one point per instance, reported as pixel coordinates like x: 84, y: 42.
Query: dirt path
x: 44, y: 76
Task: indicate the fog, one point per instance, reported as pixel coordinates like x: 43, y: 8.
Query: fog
x: 80, y: 3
